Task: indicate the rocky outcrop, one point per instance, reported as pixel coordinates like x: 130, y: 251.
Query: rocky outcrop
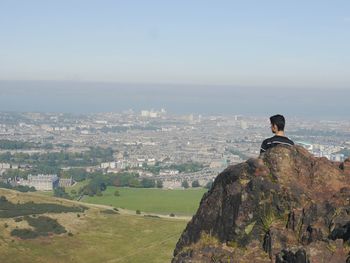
x: 285, y: 206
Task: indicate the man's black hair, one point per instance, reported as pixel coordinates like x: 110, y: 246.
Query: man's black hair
x: 279, y: 121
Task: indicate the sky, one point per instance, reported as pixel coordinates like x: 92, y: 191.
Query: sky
x: 285, y: 44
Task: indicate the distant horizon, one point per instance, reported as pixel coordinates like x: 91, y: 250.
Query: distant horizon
x: 179, y: 84
x: 98, y: 97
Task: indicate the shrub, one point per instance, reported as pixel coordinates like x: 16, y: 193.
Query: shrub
x: 42, y: 225
x: 138, y: 212
x: 8, y: 209
x: 24, y: 233
x: 109, y: 212
x: 185, y: 184
x: 195, y: 183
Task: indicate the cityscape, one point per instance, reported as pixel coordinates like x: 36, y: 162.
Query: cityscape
x: 174, y: 131
x: 154, y: 143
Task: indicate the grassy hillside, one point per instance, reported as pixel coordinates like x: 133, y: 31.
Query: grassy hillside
x: 179, y: 202
x: 95, y: 236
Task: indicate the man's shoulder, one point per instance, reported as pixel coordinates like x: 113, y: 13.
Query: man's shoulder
x: 268, y: 140
x: 281, y: 140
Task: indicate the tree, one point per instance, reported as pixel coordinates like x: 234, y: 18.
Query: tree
x: 148, y: 183
x: 195, y: 183
x: 60, y: 192
x: 185, y: 184
x: 159, y: 184
x: 133, y: 182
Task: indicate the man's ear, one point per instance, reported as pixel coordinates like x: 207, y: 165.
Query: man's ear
x: 274, y: 128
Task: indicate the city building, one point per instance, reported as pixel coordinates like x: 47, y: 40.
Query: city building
x: 43, y: 182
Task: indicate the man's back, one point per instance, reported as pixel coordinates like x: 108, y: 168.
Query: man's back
x: 273, y: 141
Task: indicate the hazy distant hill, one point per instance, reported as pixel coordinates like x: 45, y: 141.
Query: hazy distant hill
x: 84, y: 97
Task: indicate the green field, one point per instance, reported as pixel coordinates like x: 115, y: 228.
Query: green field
x: 76, y: 186
x: 68, y: 189
x: 97, y: 237
x: 179, y: 202
x: 107, y: 238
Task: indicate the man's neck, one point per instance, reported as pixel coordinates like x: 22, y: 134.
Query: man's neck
x: 280, y: 133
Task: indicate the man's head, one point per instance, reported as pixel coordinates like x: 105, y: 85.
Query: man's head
x: 277, y: 123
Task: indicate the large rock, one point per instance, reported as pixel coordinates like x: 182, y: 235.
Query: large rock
x: 285, y: 206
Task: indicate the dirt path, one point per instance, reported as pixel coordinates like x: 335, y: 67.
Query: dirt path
x: 133, y: 213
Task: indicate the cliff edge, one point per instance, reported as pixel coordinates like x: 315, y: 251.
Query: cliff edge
x: 285, y: 206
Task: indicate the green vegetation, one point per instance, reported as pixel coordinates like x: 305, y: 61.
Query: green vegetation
x: 249, y: 228
x: 43, y: 226
x: 195, y: 184
x: 74, y: 189
x: 180, y: 202
x: 99, y: 182
x: 20, y: 188
x: 60, y: 192
x: 266, y: 218
x: 95, y: 186
x: 8, y: 209
x: 56, y: 160
x: 187, y: 167
x: 185, y: 184
x: 17, y: 145
x: 148, y: 183
x: 12, y: 173
x: 77, y: 174
x: 110, y: 212
x: 159, y: 184
x: 95, y: 236
x: 207, y: 240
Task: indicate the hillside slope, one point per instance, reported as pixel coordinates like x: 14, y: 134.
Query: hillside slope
x: 97, y: 234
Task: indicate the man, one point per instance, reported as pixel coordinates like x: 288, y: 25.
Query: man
x: 277, y: 127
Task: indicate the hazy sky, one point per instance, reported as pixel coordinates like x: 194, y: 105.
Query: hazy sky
x: 89, y: 97
x: 295, y: 43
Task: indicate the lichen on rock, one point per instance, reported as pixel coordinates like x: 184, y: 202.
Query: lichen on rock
x: 285, y: 206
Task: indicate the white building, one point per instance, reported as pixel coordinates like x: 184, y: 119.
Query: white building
x: 42, y: 182
x: 145, y: 113
x: 107, y: 165
x: 168, y: 172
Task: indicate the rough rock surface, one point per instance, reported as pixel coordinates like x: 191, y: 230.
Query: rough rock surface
x: 285, y: 206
